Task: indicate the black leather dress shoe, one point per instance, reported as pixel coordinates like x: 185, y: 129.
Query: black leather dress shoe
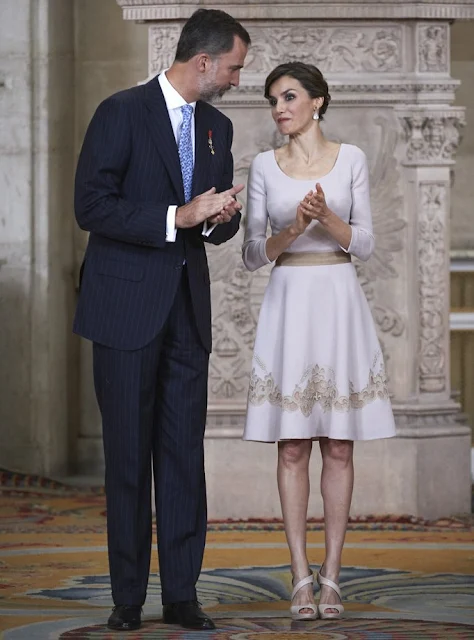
x: 187, y: 614
x: 125, y: 618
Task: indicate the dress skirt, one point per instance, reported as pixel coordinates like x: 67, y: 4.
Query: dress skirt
x: 317, y: 368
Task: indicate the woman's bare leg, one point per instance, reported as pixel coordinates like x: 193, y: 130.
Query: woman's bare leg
x: 293, y: 485
x: 337, y: 480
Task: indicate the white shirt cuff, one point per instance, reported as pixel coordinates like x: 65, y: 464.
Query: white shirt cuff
x: 171, y: 223
x: 207, y: 231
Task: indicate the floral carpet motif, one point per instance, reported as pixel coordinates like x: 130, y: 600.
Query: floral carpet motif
x: 27, y: 501
x: 403, y: 577
x: 262, y: 628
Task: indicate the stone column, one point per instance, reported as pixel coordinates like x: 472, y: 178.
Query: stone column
x: 387, y: 64
x: 36, y: 248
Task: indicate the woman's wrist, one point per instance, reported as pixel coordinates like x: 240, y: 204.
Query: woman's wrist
x: 293, y: 232
x: 328, y: 218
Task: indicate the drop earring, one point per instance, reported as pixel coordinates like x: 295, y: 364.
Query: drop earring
x: 315, y: 115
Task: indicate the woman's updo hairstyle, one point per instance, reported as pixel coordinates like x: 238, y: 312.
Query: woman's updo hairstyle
x: 309, y: 76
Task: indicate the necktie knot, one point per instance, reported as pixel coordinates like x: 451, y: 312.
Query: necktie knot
x: 185, y: 149
x: 187, y: 111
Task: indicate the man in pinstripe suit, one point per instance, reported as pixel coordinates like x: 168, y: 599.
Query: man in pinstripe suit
x: 153, y: 182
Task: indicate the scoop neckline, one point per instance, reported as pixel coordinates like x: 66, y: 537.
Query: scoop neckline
x: 309, y: 179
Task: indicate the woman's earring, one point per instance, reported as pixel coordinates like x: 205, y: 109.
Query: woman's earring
x: 315, y: 115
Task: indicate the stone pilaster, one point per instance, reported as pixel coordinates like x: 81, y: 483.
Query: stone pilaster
x: 431, y: 137
x: 36, y: 237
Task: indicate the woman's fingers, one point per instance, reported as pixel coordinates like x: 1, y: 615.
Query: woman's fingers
x: 311, y: 209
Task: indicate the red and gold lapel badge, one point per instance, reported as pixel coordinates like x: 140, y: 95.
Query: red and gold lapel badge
x: 209, y: 141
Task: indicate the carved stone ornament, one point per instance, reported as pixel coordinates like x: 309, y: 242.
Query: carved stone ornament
x: 433, y: 48
x: 432, y: 138
x: 162, y: 41
x: 333, y: 49
x: 433, y: 288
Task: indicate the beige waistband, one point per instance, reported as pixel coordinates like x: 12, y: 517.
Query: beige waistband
x: 309, y: 259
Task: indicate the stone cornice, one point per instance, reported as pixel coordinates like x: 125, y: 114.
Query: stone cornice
x: 417, y: 93
x: 151, y: 10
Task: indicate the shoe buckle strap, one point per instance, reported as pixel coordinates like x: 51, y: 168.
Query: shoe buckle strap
x: 302, y: 583
x: 329, y: 583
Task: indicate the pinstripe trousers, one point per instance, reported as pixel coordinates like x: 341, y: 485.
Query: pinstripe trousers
x: 153, y: 403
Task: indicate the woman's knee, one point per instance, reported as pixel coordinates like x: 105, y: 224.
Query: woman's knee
x: 294, y: 452
x: 338, y: 451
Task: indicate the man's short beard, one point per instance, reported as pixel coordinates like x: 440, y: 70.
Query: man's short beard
x: 209, y: 94
x: 209, y: 90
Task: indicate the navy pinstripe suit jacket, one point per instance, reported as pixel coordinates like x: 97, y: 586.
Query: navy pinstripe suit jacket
x: 128, y: 174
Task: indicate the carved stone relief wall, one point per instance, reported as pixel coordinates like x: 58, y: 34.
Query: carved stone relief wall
x: 336, y: 49
x: 362, y: 64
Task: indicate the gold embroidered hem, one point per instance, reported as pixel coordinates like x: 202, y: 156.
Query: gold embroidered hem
x: 320, y: 388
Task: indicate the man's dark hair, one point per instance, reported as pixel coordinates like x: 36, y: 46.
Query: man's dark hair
x: 209, y: 31
x: 309, y: 76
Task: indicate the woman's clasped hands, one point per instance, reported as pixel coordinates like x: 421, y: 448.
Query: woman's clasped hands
x: 312, y: 207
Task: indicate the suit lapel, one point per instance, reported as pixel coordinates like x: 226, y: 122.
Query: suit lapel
x: 202, y: 154
x: 159, y: 126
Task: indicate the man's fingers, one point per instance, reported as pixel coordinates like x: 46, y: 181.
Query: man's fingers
x: 229, y: 201
x: 219, y: 202
x: 221, y: 218
x: 233, y: 191
x: 233, y: 207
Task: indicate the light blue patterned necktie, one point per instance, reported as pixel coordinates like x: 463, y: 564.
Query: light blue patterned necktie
x: 185, y: 149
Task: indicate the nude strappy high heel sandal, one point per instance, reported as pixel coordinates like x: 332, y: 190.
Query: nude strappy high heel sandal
x: 322, y: 608
x: 296, y: 609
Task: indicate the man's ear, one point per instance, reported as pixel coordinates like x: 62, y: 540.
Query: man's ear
x: 203, y: 62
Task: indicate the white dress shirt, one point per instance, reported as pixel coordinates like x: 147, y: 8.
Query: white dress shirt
x: 174, y: 101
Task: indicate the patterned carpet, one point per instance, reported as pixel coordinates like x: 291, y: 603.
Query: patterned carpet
x: 403, y: 577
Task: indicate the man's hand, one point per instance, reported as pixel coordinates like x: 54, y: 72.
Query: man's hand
x: 226, y: 214
x: 206, y: 206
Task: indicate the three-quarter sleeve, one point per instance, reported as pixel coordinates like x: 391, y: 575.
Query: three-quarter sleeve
x: 253, y: 249
x: 362, y: 241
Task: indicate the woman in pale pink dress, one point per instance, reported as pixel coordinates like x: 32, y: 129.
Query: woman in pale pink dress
x: 317, y: 371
